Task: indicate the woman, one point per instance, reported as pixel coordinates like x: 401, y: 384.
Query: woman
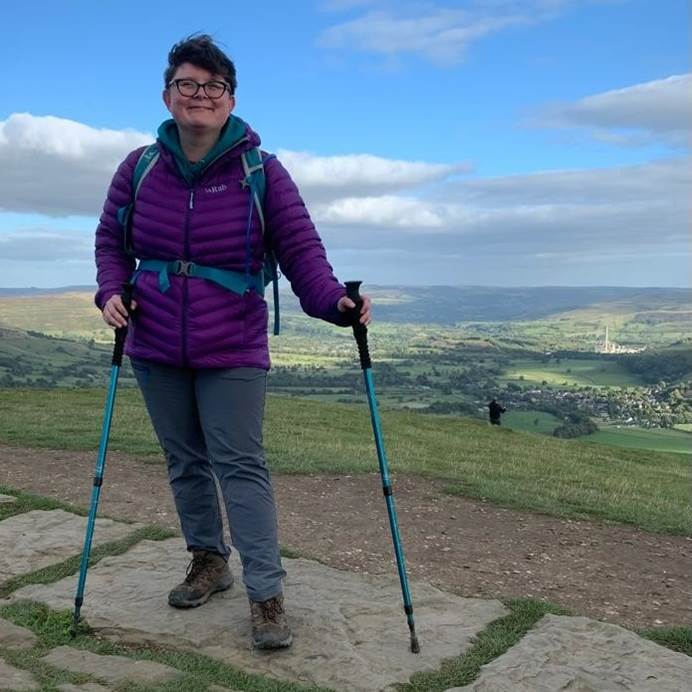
x: 199, y: 349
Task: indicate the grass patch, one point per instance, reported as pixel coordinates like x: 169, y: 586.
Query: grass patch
x: 654, y: 439
x: 565, y: 478
x: 53, y: 573
x: 675, y: 638
x: 26, y: 502
x: 53, y: 629
x: 492, y: 642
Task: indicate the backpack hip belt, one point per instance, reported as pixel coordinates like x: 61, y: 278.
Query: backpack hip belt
x: 238, y: 282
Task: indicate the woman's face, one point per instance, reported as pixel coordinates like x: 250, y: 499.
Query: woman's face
x: 197, y: 113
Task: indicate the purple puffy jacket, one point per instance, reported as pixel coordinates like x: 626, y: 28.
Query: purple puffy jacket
x: 197, y: 323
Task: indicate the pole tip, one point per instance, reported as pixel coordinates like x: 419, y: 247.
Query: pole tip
x: 415, y: 647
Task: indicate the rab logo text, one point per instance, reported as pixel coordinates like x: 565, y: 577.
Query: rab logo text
x: 216, y: 188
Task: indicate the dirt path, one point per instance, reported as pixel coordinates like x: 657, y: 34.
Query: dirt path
x: 610, y: 572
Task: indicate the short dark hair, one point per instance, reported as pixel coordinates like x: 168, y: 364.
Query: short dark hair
x: 201, y: 51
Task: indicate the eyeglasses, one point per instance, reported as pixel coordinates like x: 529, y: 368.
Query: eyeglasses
x: 189, y: 87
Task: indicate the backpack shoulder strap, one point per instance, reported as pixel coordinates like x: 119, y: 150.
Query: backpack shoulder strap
x: 256, y: 181
x: 146, y: 161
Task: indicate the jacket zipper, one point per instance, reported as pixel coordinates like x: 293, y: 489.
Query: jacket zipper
x: 188, y: 211
x: 190, y: 208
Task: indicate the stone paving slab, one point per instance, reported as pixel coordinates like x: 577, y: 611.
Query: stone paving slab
x: 40, y: 538
x: 110, y: 669
x: 86, y: 687
x: 17, y: 680
x: 6, y: 499
x: 14, y: 637
x: 350, y: 630
x: 584, y: 655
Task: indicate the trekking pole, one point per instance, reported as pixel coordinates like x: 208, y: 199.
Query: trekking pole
x: 360, y: 332
x: 120, y: 334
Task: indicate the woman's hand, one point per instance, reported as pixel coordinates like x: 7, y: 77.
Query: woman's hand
x: 345, y: 304
x: 114, y: 313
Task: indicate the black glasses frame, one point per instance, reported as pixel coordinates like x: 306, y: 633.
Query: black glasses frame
x: 203, y: 86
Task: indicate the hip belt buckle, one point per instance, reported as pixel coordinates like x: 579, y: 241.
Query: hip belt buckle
x: 184, y: 268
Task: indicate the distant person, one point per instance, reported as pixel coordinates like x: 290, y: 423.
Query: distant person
x: 495, y: 412
x: 198, y: 339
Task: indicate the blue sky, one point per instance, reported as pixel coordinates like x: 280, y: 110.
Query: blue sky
x: 500, y: 142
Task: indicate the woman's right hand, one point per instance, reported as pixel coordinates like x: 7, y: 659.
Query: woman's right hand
x: 114, y: 313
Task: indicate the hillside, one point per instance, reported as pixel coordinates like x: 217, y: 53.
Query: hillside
x: 447, y: 305
x: 565, y: 478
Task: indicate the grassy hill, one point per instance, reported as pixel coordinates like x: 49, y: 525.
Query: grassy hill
x: 440, y: 304
x: 565, y: 478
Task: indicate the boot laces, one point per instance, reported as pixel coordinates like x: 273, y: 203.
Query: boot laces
x: 272, y: 609
x: 200, y: 561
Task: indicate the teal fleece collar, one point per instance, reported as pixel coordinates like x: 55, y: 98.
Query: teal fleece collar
x: 231, y: 134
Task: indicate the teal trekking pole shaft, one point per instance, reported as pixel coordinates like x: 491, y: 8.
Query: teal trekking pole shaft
x: 360, y: 332
x: 120, y: 334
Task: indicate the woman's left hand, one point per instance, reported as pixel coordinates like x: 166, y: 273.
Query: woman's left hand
x: 345, y: 304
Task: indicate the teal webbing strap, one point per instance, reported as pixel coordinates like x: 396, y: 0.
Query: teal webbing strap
x: 230, y: 280
x: 146, y: 161
x: 256, y: 181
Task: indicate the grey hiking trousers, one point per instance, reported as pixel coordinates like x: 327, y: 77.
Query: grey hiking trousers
x: 209, y: 424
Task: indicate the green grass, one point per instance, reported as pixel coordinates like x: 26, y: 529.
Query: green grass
x: 526, y: 421
x: 53, y: 629
x: 575, y: 372
x: 26, y: 502
x: 655, y: 439
x: 675, y: 638
x: 492, y: 642
x: 53, y: 573
x: 565, y: 478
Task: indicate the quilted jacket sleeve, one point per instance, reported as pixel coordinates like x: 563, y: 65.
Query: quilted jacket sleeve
x: 113, y: 265
x: 298, y: 247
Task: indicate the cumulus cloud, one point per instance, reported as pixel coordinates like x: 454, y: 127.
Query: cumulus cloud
x: 552, y: 227
x: 387, y: 211
x: 59, y: 167
x: 417, y: 215
x: 325, y: 177
x: 439, y: 33
x: 638, y: 114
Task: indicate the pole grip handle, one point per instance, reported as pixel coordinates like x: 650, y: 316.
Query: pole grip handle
x: 360, y: 331
x: 121, y: 332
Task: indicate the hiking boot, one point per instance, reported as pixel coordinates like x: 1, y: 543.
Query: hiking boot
x: 270, y: 628
x: 207, y: 573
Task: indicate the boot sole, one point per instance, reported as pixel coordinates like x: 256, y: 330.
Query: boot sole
x: 269, y: 645
x: 223, y: 586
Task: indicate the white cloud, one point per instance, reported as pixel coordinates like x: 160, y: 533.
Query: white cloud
x: 661, y: 109
x: 665, y: 180
x: 326, y: 177
x: 439, y: 33
x: 59, y: 167
x: 367, y: 204
x: 388, y: 211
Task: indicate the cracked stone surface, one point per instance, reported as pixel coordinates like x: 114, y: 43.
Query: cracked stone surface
x: 111, y: 669
x: 39, y: 538
x: 584, y: 655
x: 7, y: 499
x: 350, y: 630
x: 15, y: 637
x: 14, y: 679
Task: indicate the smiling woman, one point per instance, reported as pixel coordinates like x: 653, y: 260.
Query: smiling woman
x: 200, y: 210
